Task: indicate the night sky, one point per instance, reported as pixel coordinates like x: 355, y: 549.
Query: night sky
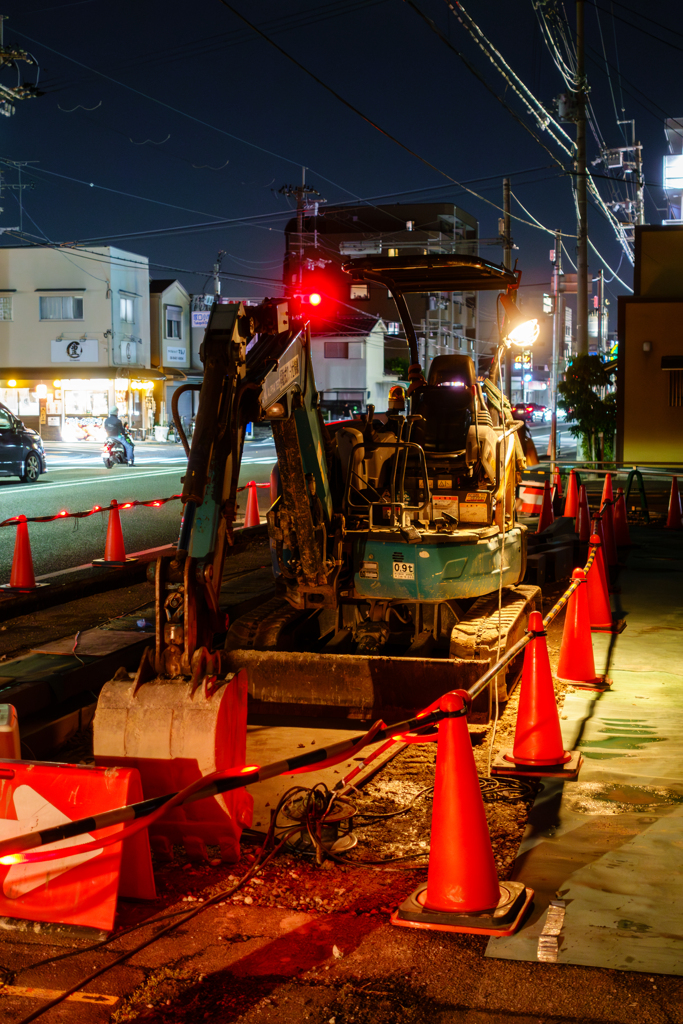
x: 246, y: 119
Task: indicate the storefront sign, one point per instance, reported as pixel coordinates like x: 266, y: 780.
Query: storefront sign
x: 174, y: 354
x: 85, y: 350
x: 200, y: 318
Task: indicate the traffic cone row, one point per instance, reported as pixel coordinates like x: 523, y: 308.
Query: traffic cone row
x: 114, y: 548
x: 576, y: 664
x: 571, y: 503
x: 621, y: 534
x: 674, y: 520
x: 252, y: 516
x: 22, y: 579
x: 583, y: 516
x: 462, y: 892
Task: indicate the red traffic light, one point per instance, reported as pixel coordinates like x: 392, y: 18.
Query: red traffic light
x: 315, y: 299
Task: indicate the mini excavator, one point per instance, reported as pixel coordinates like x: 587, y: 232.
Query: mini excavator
x: 398, y: 558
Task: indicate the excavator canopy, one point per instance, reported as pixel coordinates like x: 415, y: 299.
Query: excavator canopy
x: 438, y: 272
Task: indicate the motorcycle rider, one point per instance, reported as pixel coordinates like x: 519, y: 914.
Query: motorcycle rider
x: 114, y: 428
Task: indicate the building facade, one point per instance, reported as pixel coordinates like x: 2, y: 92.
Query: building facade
x: 348, y: 364
x: 74, y: 337
x: 170, y: 346
x: 650, y: 353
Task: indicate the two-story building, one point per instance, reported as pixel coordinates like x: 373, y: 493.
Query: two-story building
x: 74, y: 337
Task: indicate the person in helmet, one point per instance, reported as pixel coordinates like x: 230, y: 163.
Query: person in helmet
x: 115, y: 428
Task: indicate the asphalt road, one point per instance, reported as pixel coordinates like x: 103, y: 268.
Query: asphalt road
x: 77, y: 480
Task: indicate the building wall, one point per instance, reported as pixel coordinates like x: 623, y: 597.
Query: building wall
x: 26, y: 274
x: 649, y: 429
x: 362, y: 371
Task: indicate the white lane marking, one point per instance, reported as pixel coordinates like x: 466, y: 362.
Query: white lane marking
x: 91, y: 480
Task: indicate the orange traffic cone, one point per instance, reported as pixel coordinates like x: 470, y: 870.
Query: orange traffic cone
x: 547, y: 516
x: 571, y: 502
x: 557, y: 481
x: 610, y: 549
x: 583, y: 516
x: 462, y: 890
x: 114, y: 548
x: 251, y: 516
x: 576, y: 664
x: 22, y: 579
x: 674, y: 520
x: 599, y: 608
x: 621, y: 535
x: 538, y: 750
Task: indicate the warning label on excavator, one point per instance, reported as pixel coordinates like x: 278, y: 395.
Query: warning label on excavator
x: 404, y: 570
x: 369, y: 571
x: 288, y: 372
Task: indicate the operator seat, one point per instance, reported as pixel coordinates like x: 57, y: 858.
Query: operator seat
x: 447, y: 404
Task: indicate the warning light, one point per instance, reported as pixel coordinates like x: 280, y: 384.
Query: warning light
x: 315, y: 299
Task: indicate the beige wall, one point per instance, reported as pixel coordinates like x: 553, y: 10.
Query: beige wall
x: 103, y: 273
x: 661, y: 261
x: 652, y: 430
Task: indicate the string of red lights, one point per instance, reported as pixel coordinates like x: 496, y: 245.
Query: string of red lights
x: 63, y: 514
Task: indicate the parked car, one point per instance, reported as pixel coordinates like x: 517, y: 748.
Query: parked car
x: 21, y: 449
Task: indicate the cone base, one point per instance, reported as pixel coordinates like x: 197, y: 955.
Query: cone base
x: 617, y: 626
x: 7, y: 588
x: 111, y: 565
x: 505, y: 764
x: 504, y: 919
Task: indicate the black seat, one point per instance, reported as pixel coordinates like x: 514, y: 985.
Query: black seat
x: 447, y: 403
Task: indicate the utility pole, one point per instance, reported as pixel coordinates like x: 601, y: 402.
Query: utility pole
x: 299, y: 192
x: 558, y: 341
x: 581, y: 183
x: 507, y: 263
x: 601, y: 309
x: 216, y: 276
x: 17, y: 164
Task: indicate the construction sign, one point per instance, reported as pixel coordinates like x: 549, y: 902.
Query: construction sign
x: 78, y: 889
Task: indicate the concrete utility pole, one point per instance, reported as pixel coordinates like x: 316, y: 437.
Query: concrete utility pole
x: 601, y: 309
x: 558, y: 342
x: 582, y: 212
x: 507, y: 263
x: 299, y: 192
x: 216, y: 275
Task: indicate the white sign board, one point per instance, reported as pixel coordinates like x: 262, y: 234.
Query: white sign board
x: 85, y: 350
x: 175, y: 354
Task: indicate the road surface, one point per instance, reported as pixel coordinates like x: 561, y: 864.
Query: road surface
x: 77, y: 480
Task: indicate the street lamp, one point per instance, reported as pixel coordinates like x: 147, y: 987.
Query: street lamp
x: 518, y: 329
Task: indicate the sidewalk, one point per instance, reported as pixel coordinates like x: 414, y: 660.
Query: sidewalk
x: 302, y: 944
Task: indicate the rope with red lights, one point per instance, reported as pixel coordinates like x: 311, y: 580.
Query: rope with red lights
x: 63, y: 514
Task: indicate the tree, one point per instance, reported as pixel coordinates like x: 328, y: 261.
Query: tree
x: 583, y: 396
x: 399, y: 367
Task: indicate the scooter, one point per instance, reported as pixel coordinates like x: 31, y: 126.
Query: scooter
x: 114, y: 453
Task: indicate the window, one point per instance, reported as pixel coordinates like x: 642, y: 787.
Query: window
x: 174, y: 315
x: 61, y: 307
x: 393, y: 327
x: 126, y: 310
x: 336, y: 350
x: 5, y: 420
x: 548, y: 303
x: 676, y: 388
x: 392, y: 252
x: 5, y: 307
x: 360, y: 291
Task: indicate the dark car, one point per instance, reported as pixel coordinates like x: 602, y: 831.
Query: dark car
x: 21, y: 449
x: 523, y: 411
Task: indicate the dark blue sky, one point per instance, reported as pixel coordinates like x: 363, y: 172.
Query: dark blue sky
x: 250, y: 119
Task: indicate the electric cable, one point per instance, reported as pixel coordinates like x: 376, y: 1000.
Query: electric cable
x: 365, y: 117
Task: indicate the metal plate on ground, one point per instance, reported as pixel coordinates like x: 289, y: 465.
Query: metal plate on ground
x: 267, y: 743
x: 94, y: 643
x: 610, y: 844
